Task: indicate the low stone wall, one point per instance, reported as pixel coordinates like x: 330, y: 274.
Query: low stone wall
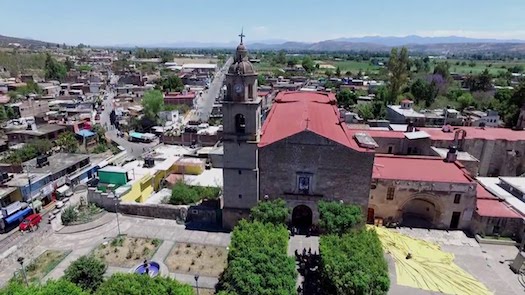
x: 184, y: 213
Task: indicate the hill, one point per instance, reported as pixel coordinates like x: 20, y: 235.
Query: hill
x: 5, y: 40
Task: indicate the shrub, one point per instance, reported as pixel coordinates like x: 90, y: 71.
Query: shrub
x: 87, y: 272
x: 60, y: 287
x: 258, y: 262
x: 69, y: 215
x: 338, y: 218
x: 274, y: 212
x: 139, y: 284
x: 183, y: 194
x: 353, y: 264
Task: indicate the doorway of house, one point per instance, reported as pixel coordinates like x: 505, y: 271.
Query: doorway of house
x: 302, y: 218
x: 454, y: 221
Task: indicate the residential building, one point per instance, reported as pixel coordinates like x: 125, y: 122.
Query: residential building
x: 405, y: 113
x: 45, y: 131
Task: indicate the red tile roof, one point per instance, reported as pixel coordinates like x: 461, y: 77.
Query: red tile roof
x: 495, y: 208
x: 432, y: 169
x: 179, y: 95
x: 295, y: 111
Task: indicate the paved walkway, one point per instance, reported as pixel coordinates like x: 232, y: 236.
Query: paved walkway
x: 82, y: 243
x: 298, y: 243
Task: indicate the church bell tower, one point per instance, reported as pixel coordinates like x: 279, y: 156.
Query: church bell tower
x: 241, y: 133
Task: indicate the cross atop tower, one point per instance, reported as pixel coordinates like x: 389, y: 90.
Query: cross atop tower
x: 242, y: 34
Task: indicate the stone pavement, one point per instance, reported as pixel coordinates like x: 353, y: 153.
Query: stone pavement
x: 487, y: 263
x: 82, y: 243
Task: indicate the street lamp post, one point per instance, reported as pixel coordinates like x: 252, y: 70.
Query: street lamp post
x: 30, y: 189
x: 197, y: 282
x: 116, y: 210
x: 21, y: 261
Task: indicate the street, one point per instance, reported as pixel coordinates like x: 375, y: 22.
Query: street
x: 204, y: 104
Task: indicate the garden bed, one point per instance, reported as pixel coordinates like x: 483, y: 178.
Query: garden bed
x: 38, y: 268
x: 80, y: 214
x: 127, y: 251
x: 189, y: 258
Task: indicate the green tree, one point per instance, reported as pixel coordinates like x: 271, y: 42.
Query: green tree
x: 308, y: 64
x: 87, y: 272
x: 346, y: 98
x: 42, y: 146
x: 442, y: 69
x: 69, y: 63
x: 172, y: 83
x: 100, y: 132
x: 466, y: 100
x: 258, y: 262
x: 365, y: 111
x: 3, y: 114
x: 424, y: 91
x: 338, y: 218
x: 511, y: 103
x: 153, y: 103
x: 353, y: 263
x: 338, y: 72
x: 292, y: 61
x: 275, y: 212
x: 54, y: 70
x: 280, y: 58
x: 328, y: 73
x: 261, y: 80
x: 481, y: 82
x: 398, y: 67
x: 67, y: 142
x: 10, y: 113
x: 69, y: 215
x: 60, y: 287
x: 120, y: 283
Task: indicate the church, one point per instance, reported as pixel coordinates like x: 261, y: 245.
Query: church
x: 302, y: 153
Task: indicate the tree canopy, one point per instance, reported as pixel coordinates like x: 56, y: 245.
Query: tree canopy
x: 183, y: 194
x: 398, y: 67
x: 338, y: 218
x: 172, y: 83
x: 346, y: 98
x: 258, y: 262
x: 29, y: 151
x: 274, y: 211
x: 60, y: 287
x: 54, y: 70
x: 153, y: 103
x: 87, y: 272
x: 136, y: 284
x: 424, y: 91
x: 308, y: 64
x: 353, y: 264
x: 67, y: 142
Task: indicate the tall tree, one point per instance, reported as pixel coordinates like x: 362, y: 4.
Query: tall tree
x: 54, y: 70
x: 397, y: 65
x: 69, y: 63
x: 308, y: 64
x: 153, y: 103
x: 338, y: 72
x: 442, y: 69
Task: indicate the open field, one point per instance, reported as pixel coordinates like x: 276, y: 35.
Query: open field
x: 190, y: 258
x: 494, y: 66
x: 127, y: 251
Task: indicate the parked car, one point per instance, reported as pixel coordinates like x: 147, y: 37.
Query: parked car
x: 30, y: 222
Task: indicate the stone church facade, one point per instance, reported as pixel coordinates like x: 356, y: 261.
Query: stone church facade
x: 302, y: 154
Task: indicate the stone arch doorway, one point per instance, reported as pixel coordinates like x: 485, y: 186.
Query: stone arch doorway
x: 419, y: 213
x: 302, y: 217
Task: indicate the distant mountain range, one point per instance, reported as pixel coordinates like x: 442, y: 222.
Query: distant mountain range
x: 5, y: 40
x: 430, y: 45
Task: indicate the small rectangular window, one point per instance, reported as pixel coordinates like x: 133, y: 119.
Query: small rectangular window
x: 240, y: 196
x: 457, y: 198
x: 390, y: 149
x: 390, y: 193
x: 240, y: 172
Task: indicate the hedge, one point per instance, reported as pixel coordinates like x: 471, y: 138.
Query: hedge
x: 353, y: 264
x: 258, y: 262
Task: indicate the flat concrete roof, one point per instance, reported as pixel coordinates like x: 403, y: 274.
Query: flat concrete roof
x: 5, y: 191
x: 409, y: 113
x: 462, y: 156
x: 57, y: 162
x: 21, y: 179
x: 492, y: 184
x: 517, y: 183
x: 40, y: 130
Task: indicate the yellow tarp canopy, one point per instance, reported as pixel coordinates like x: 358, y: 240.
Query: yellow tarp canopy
x: 429, y: 268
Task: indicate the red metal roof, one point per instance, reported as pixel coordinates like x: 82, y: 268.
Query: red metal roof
x: 482, y: 193
x: 495, y: 208
x: 178, y: 95
x: 472, y: 133
x: 432, y: 169
x: 295, y: 111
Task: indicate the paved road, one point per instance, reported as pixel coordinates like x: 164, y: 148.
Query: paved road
x: 204, y: 104
x: 133, y: 148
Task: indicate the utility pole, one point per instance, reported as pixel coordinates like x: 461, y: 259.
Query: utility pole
x: 197, y: 282
x: 30, y: 188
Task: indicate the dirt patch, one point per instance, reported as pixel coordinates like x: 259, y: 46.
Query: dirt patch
x: 196, y: 60
x: 203, y: 291
x: 43, y: 264
x: 127, y: 251
x: 195, y: 258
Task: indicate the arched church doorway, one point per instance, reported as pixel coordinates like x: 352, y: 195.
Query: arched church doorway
x: 302, y: 217
x: 419, y: 213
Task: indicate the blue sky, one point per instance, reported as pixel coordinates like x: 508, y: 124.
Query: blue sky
x: 110, y: 22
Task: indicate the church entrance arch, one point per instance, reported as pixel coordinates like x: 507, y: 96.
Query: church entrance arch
x: 419, y: 213
x: 302, y: 216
